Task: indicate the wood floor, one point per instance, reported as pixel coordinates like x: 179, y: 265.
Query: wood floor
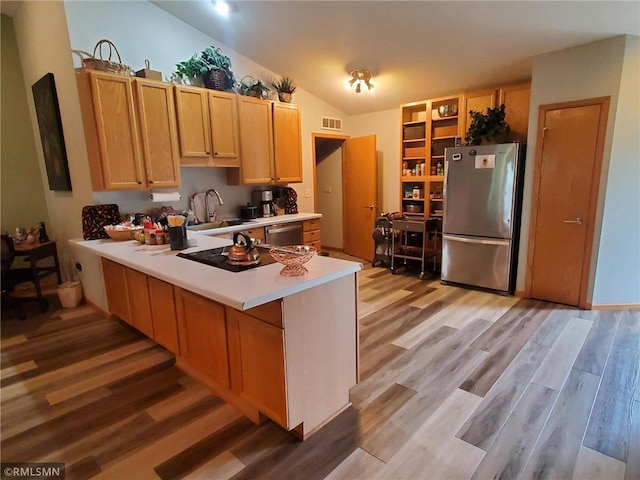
x: 455, y: 384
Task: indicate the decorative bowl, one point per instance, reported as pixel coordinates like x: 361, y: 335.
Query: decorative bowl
x: 447, y: 110
x: 293, y: 258
x: 120, y: 233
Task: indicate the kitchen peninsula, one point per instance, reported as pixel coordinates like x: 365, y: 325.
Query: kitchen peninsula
x: 281, y: 347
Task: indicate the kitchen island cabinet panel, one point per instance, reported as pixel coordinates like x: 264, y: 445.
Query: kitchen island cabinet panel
x: 163, y: 314
x: 139, y: 303
x: 203, y: 336
x: 258, y: 364
x: 115, y: 283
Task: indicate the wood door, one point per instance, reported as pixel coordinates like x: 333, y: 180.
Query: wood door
x: 115, y: 284
x: 566, y: 180
x: 202, y: 334
x: 516, y: 99
x: 287, y: 143
x: 163, y: 313
x: 117, y: 132
x: 360, y: 187
x: 477, y: 101
x: 192, y: 109
x: 259, y: 363
x: 139, y: 302
x: 156, y: 115
x: 256, y: 141
x: 224, y: 129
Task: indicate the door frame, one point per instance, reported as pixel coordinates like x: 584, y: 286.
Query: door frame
x: 604, y: 103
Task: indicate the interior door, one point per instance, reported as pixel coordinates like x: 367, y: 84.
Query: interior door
x: 567, y: 176
x: 360, y: 180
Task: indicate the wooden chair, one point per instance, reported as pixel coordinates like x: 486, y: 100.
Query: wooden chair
x: 12, y: 277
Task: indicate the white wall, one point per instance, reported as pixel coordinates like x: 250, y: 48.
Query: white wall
x: 617, y: 277
x: 386, y: 126
x: 329, y: 177
x: 586, y: 71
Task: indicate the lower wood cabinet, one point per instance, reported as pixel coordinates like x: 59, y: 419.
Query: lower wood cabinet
x: 311, y: 233
x: 203, y: 336
x: 163, y: 314
x: 256, y: 354
x: 115, y: 283
x: 139, y: 303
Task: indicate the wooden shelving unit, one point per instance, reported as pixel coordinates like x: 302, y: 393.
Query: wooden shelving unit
x: 423, y: 154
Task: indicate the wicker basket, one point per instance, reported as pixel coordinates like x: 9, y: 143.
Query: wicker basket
x: 215, y: 79
x: 105, y: 65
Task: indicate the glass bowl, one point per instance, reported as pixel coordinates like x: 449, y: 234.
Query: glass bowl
x: 293, y: 258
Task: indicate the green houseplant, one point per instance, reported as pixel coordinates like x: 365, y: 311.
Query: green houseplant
x: 211, y: 66
x: 285, y: 88
x: 253, y: 88
x: 487, y: 127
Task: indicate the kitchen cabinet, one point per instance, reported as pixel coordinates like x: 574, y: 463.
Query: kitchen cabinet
x: 258, y: 363
x: 516, y: 99
x: 478, y: 101
x: 207, y: 127
x: 202, y: 333
x: 270, y: 141
x: 163, y: 314
x: 311, y: 233
x: 115, y: 284
x: 139, y: 302
x: 256, y: 233
x: 130, y: 131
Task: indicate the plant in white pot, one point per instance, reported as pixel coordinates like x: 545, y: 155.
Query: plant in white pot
x: 285, y: 88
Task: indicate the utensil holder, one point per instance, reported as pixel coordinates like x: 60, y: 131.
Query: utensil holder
x: 178, y: 237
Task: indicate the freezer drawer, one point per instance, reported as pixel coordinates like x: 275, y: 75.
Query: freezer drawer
x: 478, y: 262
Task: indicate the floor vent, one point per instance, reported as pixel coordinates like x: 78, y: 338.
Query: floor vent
x: 331, y: 124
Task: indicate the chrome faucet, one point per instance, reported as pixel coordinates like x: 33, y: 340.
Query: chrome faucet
x: 210, y: 193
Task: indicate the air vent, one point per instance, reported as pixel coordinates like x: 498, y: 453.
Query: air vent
x: 331, y: 124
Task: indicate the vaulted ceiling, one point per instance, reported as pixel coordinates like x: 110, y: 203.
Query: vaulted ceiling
x: 415, y: 49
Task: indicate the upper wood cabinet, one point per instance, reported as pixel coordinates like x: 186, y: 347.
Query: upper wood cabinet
x: 516, y: 99
x: 207, y: 127
x: 129, y: 148
x: 478, y: 101
x: 270, y: 141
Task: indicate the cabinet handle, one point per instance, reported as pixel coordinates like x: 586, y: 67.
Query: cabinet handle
x: 139, y: 182
x: 215, y: 154
x: 150, y: 181
x: 208, y: 153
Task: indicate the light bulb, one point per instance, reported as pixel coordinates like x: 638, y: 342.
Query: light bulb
x: 222, y: 8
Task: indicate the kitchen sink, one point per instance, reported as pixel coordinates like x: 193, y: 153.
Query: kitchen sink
x: 206, y: 226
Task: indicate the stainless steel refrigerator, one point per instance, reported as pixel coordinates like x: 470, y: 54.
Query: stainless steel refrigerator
x: 481, y: 223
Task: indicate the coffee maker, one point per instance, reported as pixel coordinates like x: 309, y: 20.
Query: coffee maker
x: 264, y: 198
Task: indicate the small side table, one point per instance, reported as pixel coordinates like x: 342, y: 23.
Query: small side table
x: 36, y: 252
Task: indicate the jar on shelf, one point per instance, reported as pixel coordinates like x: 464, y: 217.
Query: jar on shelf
x: 433, y: 170
x: 405, y: 167
x: 439, y: 168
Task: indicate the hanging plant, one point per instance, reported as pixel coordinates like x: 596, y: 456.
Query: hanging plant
x: 489, y: 127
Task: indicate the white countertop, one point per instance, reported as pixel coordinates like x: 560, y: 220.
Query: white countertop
x: 262, y: 222
x: 241, y: 290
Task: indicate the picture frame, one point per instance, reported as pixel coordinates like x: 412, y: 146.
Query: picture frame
x: 50, y: 125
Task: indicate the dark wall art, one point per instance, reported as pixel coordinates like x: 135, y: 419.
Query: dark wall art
x: 50, y: 124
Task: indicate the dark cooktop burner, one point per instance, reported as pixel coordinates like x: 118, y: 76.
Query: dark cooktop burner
x: 217, y: 257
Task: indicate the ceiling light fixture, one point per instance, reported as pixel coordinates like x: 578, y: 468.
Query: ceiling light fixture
x: 222, y: 8
x: 358, y: 77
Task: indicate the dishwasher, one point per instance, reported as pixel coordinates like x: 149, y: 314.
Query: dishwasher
x: 283, y: 234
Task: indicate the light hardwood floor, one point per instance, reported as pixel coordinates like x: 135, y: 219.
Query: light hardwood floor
x: 455, y: 384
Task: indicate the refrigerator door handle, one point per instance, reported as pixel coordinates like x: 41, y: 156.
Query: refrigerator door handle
x: 475, y: 240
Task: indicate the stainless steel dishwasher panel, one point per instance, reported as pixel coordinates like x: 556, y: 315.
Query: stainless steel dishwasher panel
x: 283, y: 234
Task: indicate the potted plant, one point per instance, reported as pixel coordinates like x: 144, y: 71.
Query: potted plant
x: 210, y: 66
x: 487, y: 127
x: 285, y: 88
x: 253, y: 88
x: 219, y: 75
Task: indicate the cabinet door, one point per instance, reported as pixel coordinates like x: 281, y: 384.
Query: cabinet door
x: 516, y: 100
x: 117, y: 132
x: 115, y: 283
x: 163, y: 312
x: 193, y: 121
x: 256, y: 141
x: 259, y: 362
x: 224, y: 129
x: 139, y: 303
x: 287, y: 143
x: 477, y: 101
x: 156, y: 115
x: 203, y: 335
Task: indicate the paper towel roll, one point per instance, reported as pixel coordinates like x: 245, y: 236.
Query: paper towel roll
x: 165, y: 197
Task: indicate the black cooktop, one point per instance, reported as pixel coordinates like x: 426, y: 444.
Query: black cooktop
x: 217, y: 257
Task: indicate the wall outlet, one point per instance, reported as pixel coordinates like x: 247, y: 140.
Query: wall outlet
x: 307, y: 193
x: 327, y: 189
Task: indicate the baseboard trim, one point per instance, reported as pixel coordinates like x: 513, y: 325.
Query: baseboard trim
x: 102, y: 312
x: 616, y: 306
x: 333, y: 249
x: 520, y: 294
